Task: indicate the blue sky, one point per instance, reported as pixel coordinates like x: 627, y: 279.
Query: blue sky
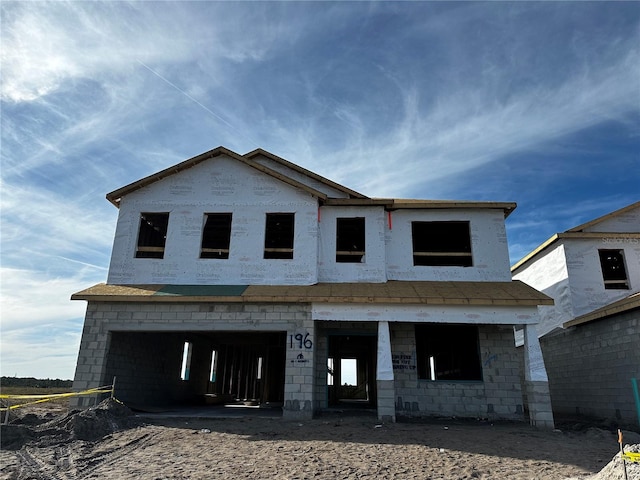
x: 537, y: 103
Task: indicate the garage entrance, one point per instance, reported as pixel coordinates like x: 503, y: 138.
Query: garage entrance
x: 197, y: 368
x: 247, y: 367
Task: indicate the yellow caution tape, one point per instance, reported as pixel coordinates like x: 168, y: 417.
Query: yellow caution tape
x: 47, y: 398
x: 631, y: 457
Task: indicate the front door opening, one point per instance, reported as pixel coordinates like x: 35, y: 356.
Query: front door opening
x: 351, y: 371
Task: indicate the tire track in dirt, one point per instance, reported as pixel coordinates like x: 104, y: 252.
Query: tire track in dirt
x: 100, y: 460
x: 34, y: 467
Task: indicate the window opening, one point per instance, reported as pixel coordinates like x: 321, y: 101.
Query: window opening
x: 212, y: 370
x: 186, y: 360
x: 350, y: 240
x: 278, y: 240
x: 440, y: 244
x: 614, y: 272
x: 349, y: 371
x: 448, y: 352
x: 216, y: 236
x: 152, y: 235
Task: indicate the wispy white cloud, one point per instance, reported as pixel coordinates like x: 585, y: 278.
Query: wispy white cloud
x: 410, y: 99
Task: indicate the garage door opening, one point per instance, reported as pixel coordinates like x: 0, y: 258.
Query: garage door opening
x: 197, y: 368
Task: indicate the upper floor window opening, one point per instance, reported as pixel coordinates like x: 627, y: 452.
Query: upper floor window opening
x: 152, y: 234
x: 350, y: 240
x: 216, y: 235
x: 279, y: 235
x: 442, y: 243
x: 614, y: 272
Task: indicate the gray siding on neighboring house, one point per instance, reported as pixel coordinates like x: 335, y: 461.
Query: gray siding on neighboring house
x: 590, y: 367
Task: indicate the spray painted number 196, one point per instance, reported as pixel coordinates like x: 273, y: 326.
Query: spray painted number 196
x: 303, y: 341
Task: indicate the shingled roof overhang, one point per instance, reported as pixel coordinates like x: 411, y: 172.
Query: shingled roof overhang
x: 514, y: 293
x: 115, y: 196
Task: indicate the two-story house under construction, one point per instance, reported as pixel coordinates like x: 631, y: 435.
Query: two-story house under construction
x: 590, y: 338
x: 246, y: 278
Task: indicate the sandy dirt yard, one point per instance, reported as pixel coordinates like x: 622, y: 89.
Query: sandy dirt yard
x: 109, y: 443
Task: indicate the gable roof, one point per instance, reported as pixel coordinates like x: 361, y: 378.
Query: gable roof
x: 354, y: 198
x: 308, y: 173
x: 621, y: 306
x: 579, y: 232
x: 115, y: 196
x: 608, y: 216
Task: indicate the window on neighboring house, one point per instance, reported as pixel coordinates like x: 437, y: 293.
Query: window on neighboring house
x: 614, y: 272
x: 152, y: 235
x: 216, y: 235
x: 350, y: 240
x: 448, y: 352
x: 278, y: 238
x: 440, y: 244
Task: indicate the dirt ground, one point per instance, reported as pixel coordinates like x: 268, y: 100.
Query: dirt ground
x: 108, y: 442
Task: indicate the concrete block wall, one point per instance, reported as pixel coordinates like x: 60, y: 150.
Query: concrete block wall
x: 539, y: 404
x: 106, y: 322
x: 499, y: 396
x: 501, y: 372
x: 156, y: 359
x: 590, y: 367
x: 299, y: 383
x: 321, y: 399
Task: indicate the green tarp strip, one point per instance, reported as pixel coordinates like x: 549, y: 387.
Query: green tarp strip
x: 202, y: 290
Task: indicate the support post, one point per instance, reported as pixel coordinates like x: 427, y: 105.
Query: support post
x: 536, y: 382
x: 384, y: 375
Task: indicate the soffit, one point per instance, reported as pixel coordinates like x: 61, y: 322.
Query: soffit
x: 408, y: 204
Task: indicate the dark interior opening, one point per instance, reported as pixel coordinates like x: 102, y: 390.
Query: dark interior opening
x: 441, y: 244
x: 216, y: 236
x: 152, y: 235
x: 279, y: 234
x: 350, y: 240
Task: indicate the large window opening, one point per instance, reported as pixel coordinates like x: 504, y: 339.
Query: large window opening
x: 216, y: 236
x: 440, y: 244
x: 152, y: 235
x: 614, y: 272
x: 350, y: 240
x: 448, y: 352
x: 279, y: 234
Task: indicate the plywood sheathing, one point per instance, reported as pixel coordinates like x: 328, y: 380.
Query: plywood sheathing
x: 393, y: 292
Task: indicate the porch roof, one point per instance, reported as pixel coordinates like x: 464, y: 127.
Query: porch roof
x: 392, y: 292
